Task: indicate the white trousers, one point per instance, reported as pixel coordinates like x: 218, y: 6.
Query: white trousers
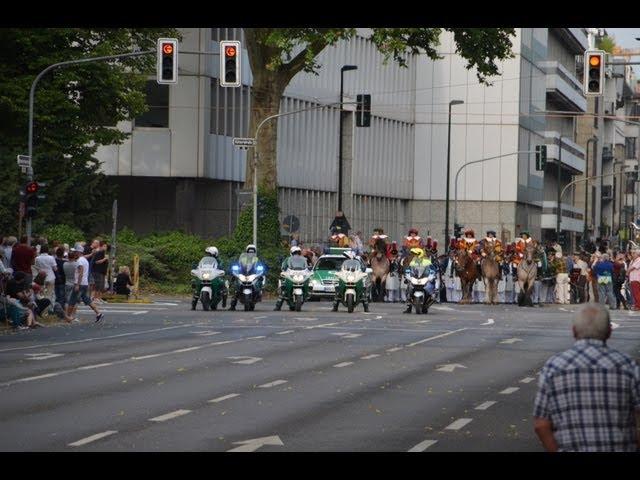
x: 562, y: 288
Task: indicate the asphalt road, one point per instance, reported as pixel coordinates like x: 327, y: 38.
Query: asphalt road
x: 162, y: 378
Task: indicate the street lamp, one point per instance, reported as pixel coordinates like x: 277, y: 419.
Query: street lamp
x: 585, y: 231
x: 446, y: 215
x: 345, y: 68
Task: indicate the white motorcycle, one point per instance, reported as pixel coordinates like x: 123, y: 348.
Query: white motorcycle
x: 422, y: 287
x: 208, y: 284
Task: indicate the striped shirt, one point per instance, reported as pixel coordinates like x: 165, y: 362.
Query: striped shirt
x: 590, y: 393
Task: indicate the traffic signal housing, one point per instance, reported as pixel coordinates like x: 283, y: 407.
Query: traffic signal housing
x: 167, y: 62
x: 230, y: 72
x: 31, y: 197
x: 363, y: 111
x: 541, y: 157
x: 594, y: 72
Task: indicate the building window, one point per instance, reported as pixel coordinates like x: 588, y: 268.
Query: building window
x: 630, y: 147
x: 229, y: 110
x: 218, y: 34
x: 158, y: 103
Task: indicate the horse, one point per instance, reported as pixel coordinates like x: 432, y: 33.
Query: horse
x: 467, y: 271
x: 527, y: 271
x: 491, y: 275
x: 380, y: 265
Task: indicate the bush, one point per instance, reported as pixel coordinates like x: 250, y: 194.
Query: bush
x: 63, y: 234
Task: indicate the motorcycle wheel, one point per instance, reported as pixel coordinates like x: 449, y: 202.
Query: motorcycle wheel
x: 204, y: 298
x: 214, y: 305
x: 425, y: 309
x: 418, y: 306
x: 252, y: 307
x: 298, y: 304
x: 350, y: 303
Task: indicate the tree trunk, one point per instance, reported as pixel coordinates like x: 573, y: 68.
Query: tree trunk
x: 267, y: 91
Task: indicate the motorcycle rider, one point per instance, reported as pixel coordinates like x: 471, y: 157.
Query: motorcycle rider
x: 248, y: 258
x: 419, y: 260
x: 289, y: 262
x: 210, y: 252
x: 351, y: 263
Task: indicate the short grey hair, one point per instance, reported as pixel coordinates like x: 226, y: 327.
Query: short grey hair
x: 592, y: 321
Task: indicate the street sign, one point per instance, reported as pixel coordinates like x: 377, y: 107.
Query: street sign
x: 24, y: 161
x: 244, y: 142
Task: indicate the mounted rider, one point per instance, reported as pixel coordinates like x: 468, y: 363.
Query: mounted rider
x: 412, y: 240
x: 521, y: 245
x: 470, y: 244
x: 378, y: 234
x: 431, y: 247
x: 490, y: 241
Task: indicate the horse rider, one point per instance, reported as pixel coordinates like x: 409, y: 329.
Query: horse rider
x: 491, y: 240
x: 419, y: 260
x: 378, y: 233
x: 338, y: 238
x: 340, y: 224
x: 431, y: 246
x: 521, y: 245
x: 469, y: 243
x: 412, y: 240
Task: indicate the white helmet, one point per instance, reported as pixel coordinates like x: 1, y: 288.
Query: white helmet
x: 212, y: 250
x: 349, y: 254
x: 251, y: 247
x: 295, y: 249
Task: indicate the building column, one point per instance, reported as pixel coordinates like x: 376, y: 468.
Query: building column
x: 186, y: 205
x: 347, y: 163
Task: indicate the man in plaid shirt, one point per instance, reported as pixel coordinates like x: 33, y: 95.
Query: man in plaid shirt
x: 589, y: 396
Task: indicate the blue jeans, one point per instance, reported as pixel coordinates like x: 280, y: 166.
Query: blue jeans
x: 75, y: 297
x: 60, y: 295
x: 605, y: 291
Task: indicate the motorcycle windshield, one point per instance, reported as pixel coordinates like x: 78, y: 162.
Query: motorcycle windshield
x: 419, y: 272
x: 208, y: 263
x: 351, y: 266
x: 297, y: 263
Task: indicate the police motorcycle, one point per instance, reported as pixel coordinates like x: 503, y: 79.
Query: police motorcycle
x: 208, y: 282
x: 294, y: 282
x: 249, y: 276
x: 421, y: 280
x: 354, y: 285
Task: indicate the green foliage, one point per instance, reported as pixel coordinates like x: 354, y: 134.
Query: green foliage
x: 63, y: 234
x: 76, y: 108
x: 606, y: 43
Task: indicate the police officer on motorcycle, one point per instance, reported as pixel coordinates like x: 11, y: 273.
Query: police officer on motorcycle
x: 292, y: 261
x: 419, y: 260
x: 248, y: 258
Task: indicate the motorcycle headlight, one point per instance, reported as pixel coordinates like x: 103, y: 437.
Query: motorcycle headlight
x: 351, y: 278
x: 242, y: 278
x: 206, y: 276
x: 235, y: 268
x: 259, y: 269
x: 298, y: 278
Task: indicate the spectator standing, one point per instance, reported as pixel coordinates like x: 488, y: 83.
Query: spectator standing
x: 99, y: 268
x: 69, y: 269
x: 589, y: 396
x: 60, y: 278
x: 562, y: 278
x: 81, y: 285
x: 634, y: 278
x: 583, y: 278
x: 46, y: 263
x: 618, y: 279
x: 603, y: 269
x: 22, y: 257
x: 7, y: 246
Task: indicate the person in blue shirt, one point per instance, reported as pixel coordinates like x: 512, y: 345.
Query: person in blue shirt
x: 603, y: 269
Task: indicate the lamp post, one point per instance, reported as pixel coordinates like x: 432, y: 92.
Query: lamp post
x: 585, y: 231
x: 559, y: 209
x: 345, y: 68
x: 446, y: 215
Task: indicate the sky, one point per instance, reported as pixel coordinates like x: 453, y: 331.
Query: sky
x: 626, y: 38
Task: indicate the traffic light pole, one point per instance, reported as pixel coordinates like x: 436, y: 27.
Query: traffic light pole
x: 31, y: 102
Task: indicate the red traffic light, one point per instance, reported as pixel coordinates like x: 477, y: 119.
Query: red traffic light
x: 230, y: 51
x: 32, y: 187
x: 167, y: 48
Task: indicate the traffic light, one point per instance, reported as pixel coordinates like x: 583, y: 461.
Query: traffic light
x: 541, y: 157
x: 31, y: 197
x: 363, y: 111
x: 230, y: 75
x: 167, y: 62
x: 594, y: 72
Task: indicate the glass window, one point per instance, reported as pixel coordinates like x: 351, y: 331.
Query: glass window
x: 158, y: 102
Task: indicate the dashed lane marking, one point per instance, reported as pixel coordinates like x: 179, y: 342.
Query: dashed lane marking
x: 272, y: 384
x: 395, y: 349
x: 458, y: 424
x: 169, y: 416
x: 511, y: 340
x: 485, y: 405
x: 92, y: 438
x: 527, y: 380
x: 369, y: 357
x: 99, y: 365
x: 285, y: 332
x: 509, y: 391
x: 343, y: 364
x: 422, y: 446
x: 226, y: 397
x: 434, y: 338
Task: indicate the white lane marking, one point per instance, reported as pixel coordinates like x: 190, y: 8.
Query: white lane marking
x: 39, y: 377
x: 340, y: 333
x: 378, y: 317
x: 206, y: 333
x: 91, y: 367
x: 424, y: 321
x: 449, y: 367
x: 446, y: 309
x: 226, y: 397
x: 255, y: 443
x: 261, y: 316
x: 160, y: 303
x: 368, y: 357
x: 285, y: 332
x: 142, y: 312
x: 347, y: 334
x: 511, y: 340
x: 97, y: 338
x: 434, y: 338
x: 272, y: 384
x: 321, y: 326
x: 42, y: 356
x: 169, y: 416
x: 395, y: 349
x: 422, y: 446
x: 144, y: 357
x: 458, y: 424
x: 509, y: 391
x: 485, y: 405
x: 489, y: 321
x: 245, y: 360
x: 614, y: 325
x: 190, y: 349
x: 92, y: 438
x: 343, y: 364
x: 255, y: 338
x: 305, y: 319
x: 527, y: 380
x: 377, y: 314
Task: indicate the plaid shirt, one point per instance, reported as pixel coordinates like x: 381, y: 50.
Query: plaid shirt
x: 590, y: 393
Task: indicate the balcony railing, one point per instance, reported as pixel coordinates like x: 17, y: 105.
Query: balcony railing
x: 564, y: 86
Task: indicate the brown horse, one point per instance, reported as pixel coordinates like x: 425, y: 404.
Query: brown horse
x: 527, y: 271
x: 468, y: 273
x: 490, y: 274
x: 380, y: 265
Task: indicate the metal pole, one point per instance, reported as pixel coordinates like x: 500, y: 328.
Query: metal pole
x: 446, y: 206
x: 585, y: 231
x: 340, y: 143
x: 558, y: 209
x: 455, y: 182
x: 32, y: 92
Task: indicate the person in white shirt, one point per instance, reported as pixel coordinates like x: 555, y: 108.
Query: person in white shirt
x: 46, y: 263
x: 81, y: 285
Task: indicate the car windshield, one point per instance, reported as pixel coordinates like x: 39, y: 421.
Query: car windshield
x: 351, y: 265
x: 208, y: 263
x: 297, y: 262
x: 329, y: 263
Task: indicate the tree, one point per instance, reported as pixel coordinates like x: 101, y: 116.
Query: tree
x: 276, y: 55
x: 606, y: 43
x: 76, y: 108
